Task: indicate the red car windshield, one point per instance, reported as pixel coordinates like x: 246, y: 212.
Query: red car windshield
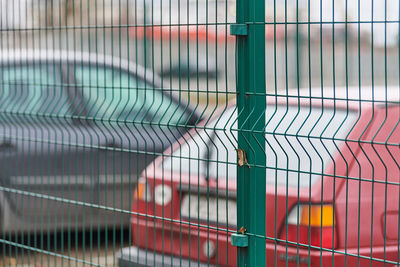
x: 301, y: 141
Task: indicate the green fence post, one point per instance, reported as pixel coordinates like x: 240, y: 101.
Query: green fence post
x: 251, y: 101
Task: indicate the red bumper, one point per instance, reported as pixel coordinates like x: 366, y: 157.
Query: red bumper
x: 180, y: 240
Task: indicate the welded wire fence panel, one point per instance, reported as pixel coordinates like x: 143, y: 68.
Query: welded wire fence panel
x: 199, y: 133
x: 332, y: 133
x: 102, y: 107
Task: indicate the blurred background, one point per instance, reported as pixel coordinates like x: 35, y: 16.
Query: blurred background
x: 310, y: 43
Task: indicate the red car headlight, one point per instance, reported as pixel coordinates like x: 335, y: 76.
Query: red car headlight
x: 162, y: 194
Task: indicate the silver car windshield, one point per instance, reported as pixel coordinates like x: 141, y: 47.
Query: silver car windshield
x: 301, y: 141
x: 114, y: 94
x: 33, y: 90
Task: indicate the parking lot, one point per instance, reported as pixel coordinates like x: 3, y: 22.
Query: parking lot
x: 199, y: 133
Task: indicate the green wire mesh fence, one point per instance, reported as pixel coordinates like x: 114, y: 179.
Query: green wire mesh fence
x: 199, y: 133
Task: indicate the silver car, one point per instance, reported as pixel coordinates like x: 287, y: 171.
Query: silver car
x: 76, y: 129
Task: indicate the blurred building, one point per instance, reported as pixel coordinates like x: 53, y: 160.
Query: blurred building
x: 25, y: 14
x: 19, y: 14
x: 335, y: 13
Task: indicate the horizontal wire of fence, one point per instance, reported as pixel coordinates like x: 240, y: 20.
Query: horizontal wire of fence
x: 199, y: 133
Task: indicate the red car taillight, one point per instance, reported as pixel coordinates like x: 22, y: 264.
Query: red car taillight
x: 311, y: 225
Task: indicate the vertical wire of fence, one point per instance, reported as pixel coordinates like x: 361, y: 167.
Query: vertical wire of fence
x: 199, y: 133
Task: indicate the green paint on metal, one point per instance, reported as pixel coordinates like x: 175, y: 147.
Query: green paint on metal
x: 251, y: 104
x: 239, y: 240
x: 80, y: 132
x: 239, y: 29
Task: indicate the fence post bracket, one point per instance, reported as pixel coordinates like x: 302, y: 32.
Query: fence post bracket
x: 239, y: 240
x: 238, y: 29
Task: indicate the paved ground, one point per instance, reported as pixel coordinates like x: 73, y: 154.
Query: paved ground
x: 81, y: 252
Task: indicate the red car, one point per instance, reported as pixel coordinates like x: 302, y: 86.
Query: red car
x: 332, y: 188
